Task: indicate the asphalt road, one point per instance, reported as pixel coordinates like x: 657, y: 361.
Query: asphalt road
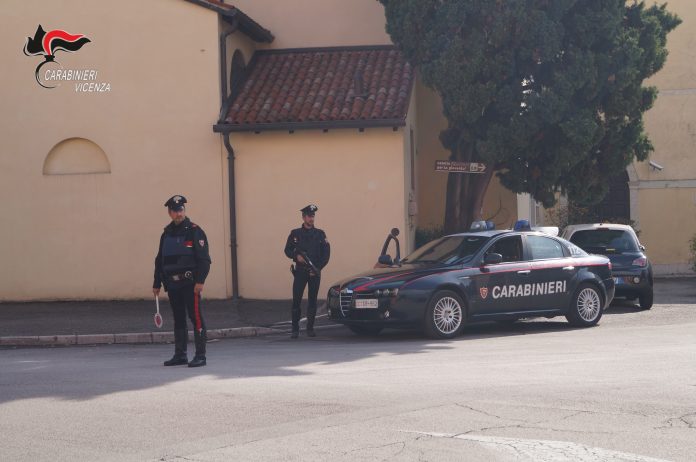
x: 537, y: 390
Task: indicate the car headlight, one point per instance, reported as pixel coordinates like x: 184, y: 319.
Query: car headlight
x: 386, y: 292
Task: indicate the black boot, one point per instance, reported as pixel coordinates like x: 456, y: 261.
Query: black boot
x: 295, y: 322
x: 180, y: 342
x: 199, y: 339
x: 311, y: 314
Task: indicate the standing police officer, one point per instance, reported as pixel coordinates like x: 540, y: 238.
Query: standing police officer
x: 309, y: 249
x: 182, y: 264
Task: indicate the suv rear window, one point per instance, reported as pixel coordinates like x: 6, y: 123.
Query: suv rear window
x: 604, y: 241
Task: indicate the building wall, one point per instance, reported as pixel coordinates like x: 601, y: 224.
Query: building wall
x: 671, y: 222
x: 95, y: 235
x: 319, y: 23
x: 664, y: 201
x: 235, y: 41
x: 356, y: 180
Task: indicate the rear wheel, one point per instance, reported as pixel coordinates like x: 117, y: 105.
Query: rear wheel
x: 366, y: 330
x: 586, y: 306
x: 646, y: 300
x: 444, y: 317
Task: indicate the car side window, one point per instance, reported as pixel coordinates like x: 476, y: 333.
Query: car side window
x: 542, y: 248
x: 509, y: 247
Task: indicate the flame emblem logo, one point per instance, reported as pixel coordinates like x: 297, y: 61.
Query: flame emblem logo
x: 46, y: 44
x: 484, y: 292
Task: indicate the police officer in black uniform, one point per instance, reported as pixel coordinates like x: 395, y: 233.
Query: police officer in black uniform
x: 182, y: 264
x: 309, y: 249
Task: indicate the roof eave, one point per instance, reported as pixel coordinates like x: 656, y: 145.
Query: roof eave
x: 309, y: 125
x: 234, y: 16
x: 249, y: 26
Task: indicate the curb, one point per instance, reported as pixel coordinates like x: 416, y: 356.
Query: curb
x: 129, y: 338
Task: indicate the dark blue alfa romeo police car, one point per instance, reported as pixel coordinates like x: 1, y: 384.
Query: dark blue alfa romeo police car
x: 501, y: 275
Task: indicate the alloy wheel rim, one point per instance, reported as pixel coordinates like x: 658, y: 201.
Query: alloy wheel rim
x: 447, y: 315
x: 588, y: 304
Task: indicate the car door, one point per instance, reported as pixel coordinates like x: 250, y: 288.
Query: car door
x: 493, y: 282
x: 551, y: 272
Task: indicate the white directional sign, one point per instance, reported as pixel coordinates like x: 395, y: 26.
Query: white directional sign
x: 449, y: 166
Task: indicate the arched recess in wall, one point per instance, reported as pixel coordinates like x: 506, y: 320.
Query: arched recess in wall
x: 76, y: 156
x: 237, y: 73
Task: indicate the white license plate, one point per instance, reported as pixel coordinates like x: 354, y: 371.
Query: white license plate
x: 366, y: 303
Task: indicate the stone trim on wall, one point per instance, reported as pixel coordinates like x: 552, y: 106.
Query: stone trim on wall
x: 633, y: 187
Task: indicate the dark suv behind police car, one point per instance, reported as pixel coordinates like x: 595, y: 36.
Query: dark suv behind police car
x: 500, y: 275
x: 631, y: 268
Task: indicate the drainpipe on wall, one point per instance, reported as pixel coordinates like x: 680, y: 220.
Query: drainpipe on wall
x: 233, y: 216
x: 230, y: 159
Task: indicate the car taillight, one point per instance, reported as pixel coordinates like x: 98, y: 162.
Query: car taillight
x: 609, y: 265
x: 642, y: 261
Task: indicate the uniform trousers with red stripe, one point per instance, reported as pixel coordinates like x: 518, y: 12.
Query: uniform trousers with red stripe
x: 184, y: 301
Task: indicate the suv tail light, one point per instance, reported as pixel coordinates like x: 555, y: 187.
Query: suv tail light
x: 642, y: 261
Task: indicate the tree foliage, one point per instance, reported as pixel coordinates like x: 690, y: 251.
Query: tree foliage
x: 547, y: 93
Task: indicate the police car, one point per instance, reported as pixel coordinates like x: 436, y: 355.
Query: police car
x: 631, y: 267
x: 481, y: 275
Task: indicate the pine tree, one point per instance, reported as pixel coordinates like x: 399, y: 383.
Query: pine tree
x: 547, y: 93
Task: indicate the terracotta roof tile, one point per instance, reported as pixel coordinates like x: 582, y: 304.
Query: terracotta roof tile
x: 286, y: 87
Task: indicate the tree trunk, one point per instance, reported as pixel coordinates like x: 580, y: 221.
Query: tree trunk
x: 465, y: 194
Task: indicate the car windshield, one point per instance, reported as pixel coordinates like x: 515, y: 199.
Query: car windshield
x: 604, y: 241
x: 448, y: 250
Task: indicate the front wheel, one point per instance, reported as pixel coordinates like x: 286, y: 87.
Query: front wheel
x: 444, y: 317
x: 366, y: 330
x: 586, y: 306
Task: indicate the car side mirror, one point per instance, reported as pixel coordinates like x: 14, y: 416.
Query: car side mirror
x: 642, y: 248
x: 388, y: 260
x: 492, y: 259
x: 385, y: 260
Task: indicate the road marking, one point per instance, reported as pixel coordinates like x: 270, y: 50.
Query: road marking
x: 546, y: 450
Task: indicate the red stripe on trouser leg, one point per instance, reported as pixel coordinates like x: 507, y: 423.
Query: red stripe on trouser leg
x: 197, y: 311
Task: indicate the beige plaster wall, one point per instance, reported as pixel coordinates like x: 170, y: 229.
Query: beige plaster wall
x: 666, y: 199
x: 95, y: 235
x: 235, y: 41
x: 319, y: 23
x: 671, y: 223
x: 355, y: 179
x: 671, y: 123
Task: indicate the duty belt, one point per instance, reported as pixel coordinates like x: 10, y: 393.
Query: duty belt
x: 187, y: 276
